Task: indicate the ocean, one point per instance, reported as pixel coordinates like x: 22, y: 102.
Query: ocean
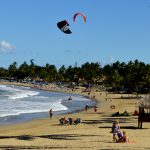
x: 19, y: 104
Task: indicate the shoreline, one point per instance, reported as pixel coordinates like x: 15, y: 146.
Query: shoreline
x: 93, y: 133
x: 25, y: 117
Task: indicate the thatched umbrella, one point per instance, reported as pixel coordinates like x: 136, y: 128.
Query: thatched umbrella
x: 145, y: 103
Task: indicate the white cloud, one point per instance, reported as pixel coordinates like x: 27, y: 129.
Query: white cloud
x: 6, y: 47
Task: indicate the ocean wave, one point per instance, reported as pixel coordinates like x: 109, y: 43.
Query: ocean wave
x: 41, y: 97
x: 13, y: 92
x: 17, y: 101
x: 2, y: 86
x: 38, y: 108
x: 22, y: 94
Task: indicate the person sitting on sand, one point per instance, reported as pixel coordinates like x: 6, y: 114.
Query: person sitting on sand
x: 116, y: 114
x: 125, y: 113
x: 135, y: 113
x: 125, y: 138
x: 63, y: 120
x: 115, y: 130
x: 77, y: 121
x: 120, y: 136
x: 70, y: 121
x: 115, y: 127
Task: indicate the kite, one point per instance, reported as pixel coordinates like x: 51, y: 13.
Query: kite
x: 75, y: 15
x: 63, y: 26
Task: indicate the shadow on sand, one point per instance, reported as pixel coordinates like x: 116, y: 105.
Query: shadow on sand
x: 50, y: 137
x: 108, y: 120
x: 53, y: 136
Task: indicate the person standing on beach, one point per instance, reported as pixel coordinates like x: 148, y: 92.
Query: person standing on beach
x: 86, y: 107
x: 50, y: 113
x: 95, y: 109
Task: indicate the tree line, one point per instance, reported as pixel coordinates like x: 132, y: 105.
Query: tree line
x: 133, y: 76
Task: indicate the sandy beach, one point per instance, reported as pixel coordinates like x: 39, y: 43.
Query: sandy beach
x: 93, y: 133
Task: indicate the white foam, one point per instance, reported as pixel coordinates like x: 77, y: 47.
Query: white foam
x: 19, y: 94
x: 39, y: 107
x: 18, y: 100
x: 2, y: 86
x: 13, y: 92
x: 41, y: 97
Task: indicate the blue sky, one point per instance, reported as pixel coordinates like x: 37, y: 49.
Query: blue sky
x: 115, y: 30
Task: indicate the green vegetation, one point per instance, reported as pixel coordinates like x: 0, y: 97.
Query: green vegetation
x: 133, y: 76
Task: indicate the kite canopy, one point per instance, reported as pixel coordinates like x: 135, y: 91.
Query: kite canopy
x: 75, y: 15
x: 63, y: 26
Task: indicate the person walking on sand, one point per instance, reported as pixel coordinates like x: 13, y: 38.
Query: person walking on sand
x: 50, y: 113
x: 86, y: 107
x: 95, y: 109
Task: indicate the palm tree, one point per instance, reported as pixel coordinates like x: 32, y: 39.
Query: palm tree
x: 3, y: 73
x: 61, y: 73
x: 51, y: 72
x: 12, y: 71
x: 24, y: 70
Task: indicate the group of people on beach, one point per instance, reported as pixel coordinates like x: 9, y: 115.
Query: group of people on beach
x: 63, y: 120
x: 87, y: 107
x: 119, y: 136
x: 69, y: 121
